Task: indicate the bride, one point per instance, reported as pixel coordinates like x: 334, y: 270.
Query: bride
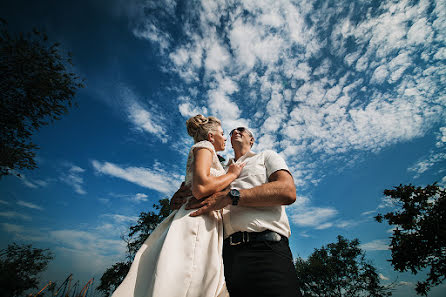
x: 183, y: 255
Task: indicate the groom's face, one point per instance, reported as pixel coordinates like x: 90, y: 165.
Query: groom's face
x: 241, y: 135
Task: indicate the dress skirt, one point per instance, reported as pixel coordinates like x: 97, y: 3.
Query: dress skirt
x: 181, y: 258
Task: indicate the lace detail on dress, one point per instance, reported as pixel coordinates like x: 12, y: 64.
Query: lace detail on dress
x: 216, y: 168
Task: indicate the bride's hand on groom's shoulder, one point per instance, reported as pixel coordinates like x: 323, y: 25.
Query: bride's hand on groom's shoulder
x: 180, y: 197
x: 216, y: 201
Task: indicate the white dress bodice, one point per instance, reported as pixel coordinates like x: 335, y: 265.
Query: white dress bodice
x: 216, y: 167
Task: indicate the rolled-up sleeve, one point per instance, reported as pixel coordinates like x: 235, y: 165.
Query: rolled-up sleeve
x: 274, y: 162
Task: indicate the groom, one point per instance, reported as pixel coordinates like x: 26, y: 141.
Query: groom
x: 256, y: 254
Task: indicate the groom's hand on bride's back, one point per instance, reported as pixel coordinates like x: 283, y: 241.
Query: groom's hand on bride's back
x: 180, y: 197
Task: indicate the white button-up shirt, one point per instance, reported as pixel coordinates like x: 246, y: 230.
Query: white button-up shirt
x: 256, y: 172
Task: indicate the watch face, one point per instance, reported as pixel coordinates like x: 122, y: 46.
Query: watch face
x: 235, y: 196
x: 234, y: 193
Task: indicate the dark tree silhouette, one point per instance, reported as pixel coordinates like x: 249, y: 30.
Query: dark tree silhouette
x: 36, y: 88
x: 19, y: 267
x: 419, y: 239
x: 138, y: 233
x: 339, y: 269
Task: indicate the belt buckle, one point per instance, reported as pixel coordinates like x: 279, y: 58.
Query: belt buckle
x: 240, y: 242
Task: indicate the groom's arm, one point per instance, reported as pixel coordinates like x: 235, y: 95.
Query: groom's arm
x: 180, y: 197
x: 280, y: 190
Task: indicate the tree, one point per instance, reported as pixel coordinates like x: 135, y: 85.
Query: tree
x: 339, y: 269
x: 138, y: 233
x: 19, y: 267
x: 419, y: 239
x: 36, y: 88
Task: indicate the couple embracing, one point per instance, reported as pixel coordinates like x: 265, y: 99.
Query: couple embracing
x: 230, y: 238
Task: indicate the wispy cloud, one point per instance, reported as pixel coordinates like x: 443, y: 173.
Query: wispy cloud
x: 404, y: 283
x: 102, y: 240
x: 14, y: 214
x: 386, y: 202
x: 144, y: 118
x: 12, y: 228
x: 375, y: 245
x: 140, y: 197
x: 32, y: 183
x: 73, y: 177
x: 155, y: 179
x: 303, y: 214
x: 382, y: 277
x: 427, y: 163
x: 368, y: 213
x: 4, y: 202
x: 29, y: 205
x: 119, y: 219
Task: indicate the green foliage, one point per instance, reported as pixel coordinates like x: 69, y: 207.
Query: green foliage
x: 19, y: 266
x: 419, y: 239
x: 36, y: 88
x: 113, y: 277
x: 147, y: 222
x: 339, y: 269
x: 138, y: 233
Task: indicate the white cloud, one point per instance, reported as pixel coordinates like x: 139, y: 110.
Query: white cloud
x: 86, y: 241
x: 140, y: 197
x: 73, y: 178
x: 14, y: 214
x: 382, y: 277
x: 217, y: 58
x: 303, y: 214
x: 188, y: 109
x: 404, y: 283
x: 367, y: 213
x: 386, y: 202
x: 420, y: 32
x: 29, y: 205
x: 391, y: 230
x: 380, y: 74
x: 146, y: 119
x: 32, y: 183
x: 156, y: 179
x: 441, y: 137
x: 4, y: 202
x: 143, y: 119
x: 12, y: 228
x: 119, y: 219
x: 425, y: 164
x: 375, y: 245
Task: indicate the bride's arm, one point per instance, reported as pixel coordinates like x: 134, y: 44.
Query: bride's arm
x: 203, y: 183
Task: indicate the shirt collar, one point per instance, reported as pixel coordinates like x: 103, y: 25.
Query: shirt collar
x: 242, y: 158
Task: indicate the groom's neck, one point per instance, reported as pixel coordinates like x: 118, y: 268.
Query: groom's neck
x: 241, y: 151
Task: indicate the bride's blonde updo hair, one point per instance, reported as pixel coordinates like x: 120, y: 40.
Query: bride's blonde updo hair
x: 200, y: 126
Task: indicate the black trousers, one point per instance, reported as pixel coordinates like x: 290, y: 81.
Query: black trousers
x: 260, y: 269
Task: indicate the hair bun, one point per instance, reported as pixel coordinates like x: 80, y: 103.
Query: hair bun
x: 193, y: 124
x: 200, y: 126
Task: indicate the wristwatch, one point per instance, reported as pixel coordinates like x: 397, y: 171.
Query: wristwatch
x: 234, y: 194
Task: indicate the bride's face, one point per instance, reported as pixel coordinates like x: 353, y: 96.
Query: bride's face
x: 219, y: 139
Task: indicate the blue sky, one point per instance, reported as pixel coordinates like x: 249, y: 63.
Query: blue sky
x: 351, y: 94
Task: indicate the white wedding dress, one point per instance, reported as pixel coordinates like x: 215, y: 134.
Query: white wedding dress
x: 183, y: 255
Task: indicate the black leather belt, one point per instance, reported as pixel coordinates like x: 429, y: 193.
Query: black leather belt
x: 245, y: 237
